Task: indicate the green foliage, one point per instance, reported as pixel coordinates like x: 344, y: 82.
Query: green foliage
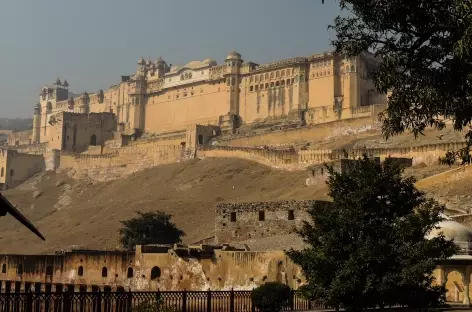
x: 426, y: 60
x: 149, y: 228
x: 368, y: 248
x: 271, y: 297
x: 158, y: 306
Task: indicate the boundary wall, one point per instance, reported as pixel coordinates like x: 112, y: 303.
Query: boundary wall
x: 293, y: 160
x: 124, y: 161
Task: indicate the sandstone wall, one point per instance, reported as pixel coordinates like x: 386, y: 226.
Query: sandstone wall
x: 281, y: 159
x: 177, y: 269
x: 120, y: 163
x: 293, y: 160
x: 317, y: 131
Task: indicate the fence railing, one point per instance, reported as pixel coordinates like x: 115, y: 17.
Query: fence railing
x: 184, y: 301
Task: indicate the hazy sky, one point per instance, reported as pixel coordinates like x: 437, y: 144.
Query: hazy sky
x: 93, y: 42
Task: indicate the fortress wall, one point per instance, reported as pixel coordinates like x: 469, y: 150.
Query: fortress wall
x: 298, y: 135
x: 292, y: 160
x: 428, y: 154
x: 122, y: 162
x: 283, y: 159
x: 36, y: 149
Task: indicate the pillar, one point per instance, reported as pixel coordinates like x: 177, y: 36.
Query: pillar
x: 466, y: 281
x: 442, y: 276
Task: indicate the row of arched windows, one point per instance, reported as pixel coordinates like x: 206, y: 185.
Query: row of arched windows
x: 273, y: 84
x: 155, y: 271
x: 272, y: 75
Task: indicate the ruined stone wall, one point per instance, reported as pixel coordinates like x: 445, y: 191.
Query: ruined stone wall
x: 242, y: 221
x: 150, y: 269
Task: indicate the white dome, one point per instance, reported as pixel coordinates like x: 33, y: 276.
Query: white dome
x: 452, y: 230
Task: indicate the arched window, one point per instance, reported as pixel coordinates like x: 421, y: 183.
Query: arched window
x: 93, y: 140
x: 2, y: 173
x: 104, y: 272
x: 4, y: 268
x: 266, y: 76
x: 283, y: 73
x: 277, y: 74
x: 288, y: 72
x: 262, y: 77
x: 155, y: 273
x: 19, y: 270
x: 130, y: 273
x: 80, y: 271
x: 49, y: 270
x: 182, y: 77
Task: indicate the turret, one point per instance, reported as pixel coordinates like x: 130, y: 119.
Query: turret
x: 36, y: 124
x: 233, y: 61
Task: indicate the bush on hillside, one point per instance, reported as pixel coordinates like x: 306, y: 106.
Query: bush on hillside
x: 271, y: 297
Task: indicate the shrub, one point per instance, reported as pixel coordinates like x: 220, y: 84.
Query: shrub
x: 158, y: 306
x: 271, y: 297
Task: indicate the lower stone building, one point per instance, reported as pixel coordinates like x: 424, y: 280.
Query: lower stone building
x: 152, y: 267
x: 16, y: 167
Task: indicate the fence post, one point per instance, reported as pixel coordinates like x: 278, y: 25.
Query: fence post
x: 67, y: 300
x: 253, y: 307
x: 129, y: 300
x: 209, y: 300
x: 29, y: 301
x: 231, y: 301
x: 184, y: 301
x: 99, y: 300
x: 292, y: 300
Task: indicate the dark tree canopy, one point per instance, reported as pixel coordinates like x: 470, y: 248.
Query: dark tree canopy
x: 425, y: 49
x: 149, y: 228
x: 368, y: 248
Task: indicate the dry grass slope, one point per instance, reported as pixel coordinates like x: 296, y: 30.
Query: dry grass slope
x: 90, y: 214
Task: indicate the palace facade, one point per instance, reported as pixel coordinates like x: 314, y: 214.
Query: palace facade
x: 159, y: 98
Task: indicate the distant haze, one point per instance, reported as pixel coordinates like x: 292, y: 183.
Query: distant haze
x: 109, y: 36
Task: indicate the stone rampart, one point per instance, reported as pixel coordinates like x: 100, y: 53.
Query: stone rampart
x: 242, y: 221
x: 276, y: 158
x: 285, y: 135
x: 289, y: 159
x: 122, y: 162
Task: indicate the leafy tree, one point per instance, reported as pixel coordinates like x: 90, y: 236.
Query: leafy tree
x: 368, y: 248
x: 271, y: 297
x: 149, y: 228
x: 425, y: 49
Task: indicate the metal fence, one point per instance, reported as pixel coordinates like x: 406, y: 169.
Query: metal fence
x: 184, y: 301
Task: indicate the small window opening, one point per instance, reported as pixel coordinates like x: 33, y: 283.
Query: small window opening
x: 104, y: 272
x: 20, y: 269
x: 4, y: 268
x: 291, y: 215
x: 80, y: 271
x: 261, y: 216
x: 233, y: 216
